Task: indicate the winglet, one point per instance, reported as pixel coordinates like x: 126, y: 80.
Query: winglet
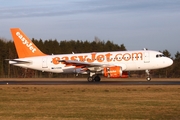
x: 24, y: 46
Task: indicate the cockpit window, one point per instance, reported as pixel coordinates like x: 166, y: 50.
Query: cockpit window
x: 160, y: 55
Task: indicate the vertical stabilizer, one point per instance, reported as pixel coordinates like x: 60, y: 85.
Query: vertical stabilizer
x: 24, y: 46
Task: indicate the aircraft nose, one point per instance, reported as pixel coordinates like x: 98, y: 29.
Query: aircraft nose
x: 169, y: 62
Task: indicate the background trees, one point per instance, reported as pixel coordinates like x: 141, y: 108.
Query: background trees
x: 8, y: 51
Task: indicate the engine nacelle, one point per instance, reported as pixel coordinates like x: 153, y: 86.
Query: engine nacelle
x: 114, y: 72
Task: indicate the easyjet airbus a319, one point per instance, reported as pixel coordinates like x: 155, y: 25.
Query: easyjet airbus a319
x: 110, y: 64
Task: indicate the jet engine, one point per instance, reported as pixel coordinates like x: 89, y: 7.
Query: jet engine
x: 114, y: 72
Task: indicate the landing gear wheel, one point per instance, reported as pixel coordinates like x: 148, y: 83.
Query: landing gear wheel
x: 148, y: 78
x: 90, y: 79
x: 97, y: 78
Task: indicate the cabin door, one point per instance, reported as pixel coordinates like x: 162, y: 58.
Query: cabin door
x: 146, y: 57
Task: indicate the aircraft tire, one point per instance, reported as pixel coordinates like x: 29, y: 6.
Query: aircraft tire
x: 90, y: 79
x: 148, y: 78
x: 97, y: 78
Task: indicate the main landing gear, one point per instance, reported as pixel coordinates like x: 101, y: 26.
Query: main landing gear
x: 94, y: 78
x: 148, y: 78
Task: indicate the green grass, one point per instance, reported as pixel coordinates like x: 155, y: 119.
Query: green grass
x: 89, y: 102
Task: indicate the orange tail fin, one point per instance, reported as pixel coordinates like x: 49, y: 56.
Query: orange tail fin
x: 24, y: 46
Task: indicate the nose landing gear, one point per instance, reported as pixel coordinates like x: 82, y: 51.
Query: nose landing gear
x: 148, y: 78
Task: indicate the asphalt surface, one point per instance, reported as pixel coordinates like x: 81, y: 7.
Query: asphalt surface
x: 80, y: 82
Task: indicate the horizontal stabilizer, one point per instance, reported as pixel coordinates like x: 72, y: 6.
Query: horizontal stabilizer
x: 15, y: 61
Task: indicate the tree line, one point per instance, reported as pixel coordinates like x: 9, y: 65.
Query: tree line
x: 50, y: 46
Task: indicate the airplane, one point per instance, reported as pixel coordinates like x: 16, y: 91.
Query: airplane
x: 114, y: 64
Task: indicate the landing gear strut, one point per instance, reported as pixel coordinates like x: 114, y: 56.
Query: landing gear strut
x: 94, y: 78
x: 148, y: 78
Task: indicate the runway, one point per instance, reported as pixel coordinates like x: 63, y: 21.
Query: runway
x: 71, y: 82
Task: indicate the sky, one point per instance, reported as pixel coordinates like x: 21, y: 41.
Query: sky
x: 138, y: 24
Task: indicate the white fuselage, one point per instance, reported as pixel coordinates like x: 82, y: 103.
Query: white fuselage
x: 128, y: 60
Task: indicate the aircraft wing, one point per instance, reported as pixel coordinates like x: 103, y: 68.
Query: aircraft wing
x: 80, y: 64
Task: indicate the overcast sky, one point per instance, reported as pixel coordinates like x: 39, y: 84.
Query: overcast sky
x: 153, y: 24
